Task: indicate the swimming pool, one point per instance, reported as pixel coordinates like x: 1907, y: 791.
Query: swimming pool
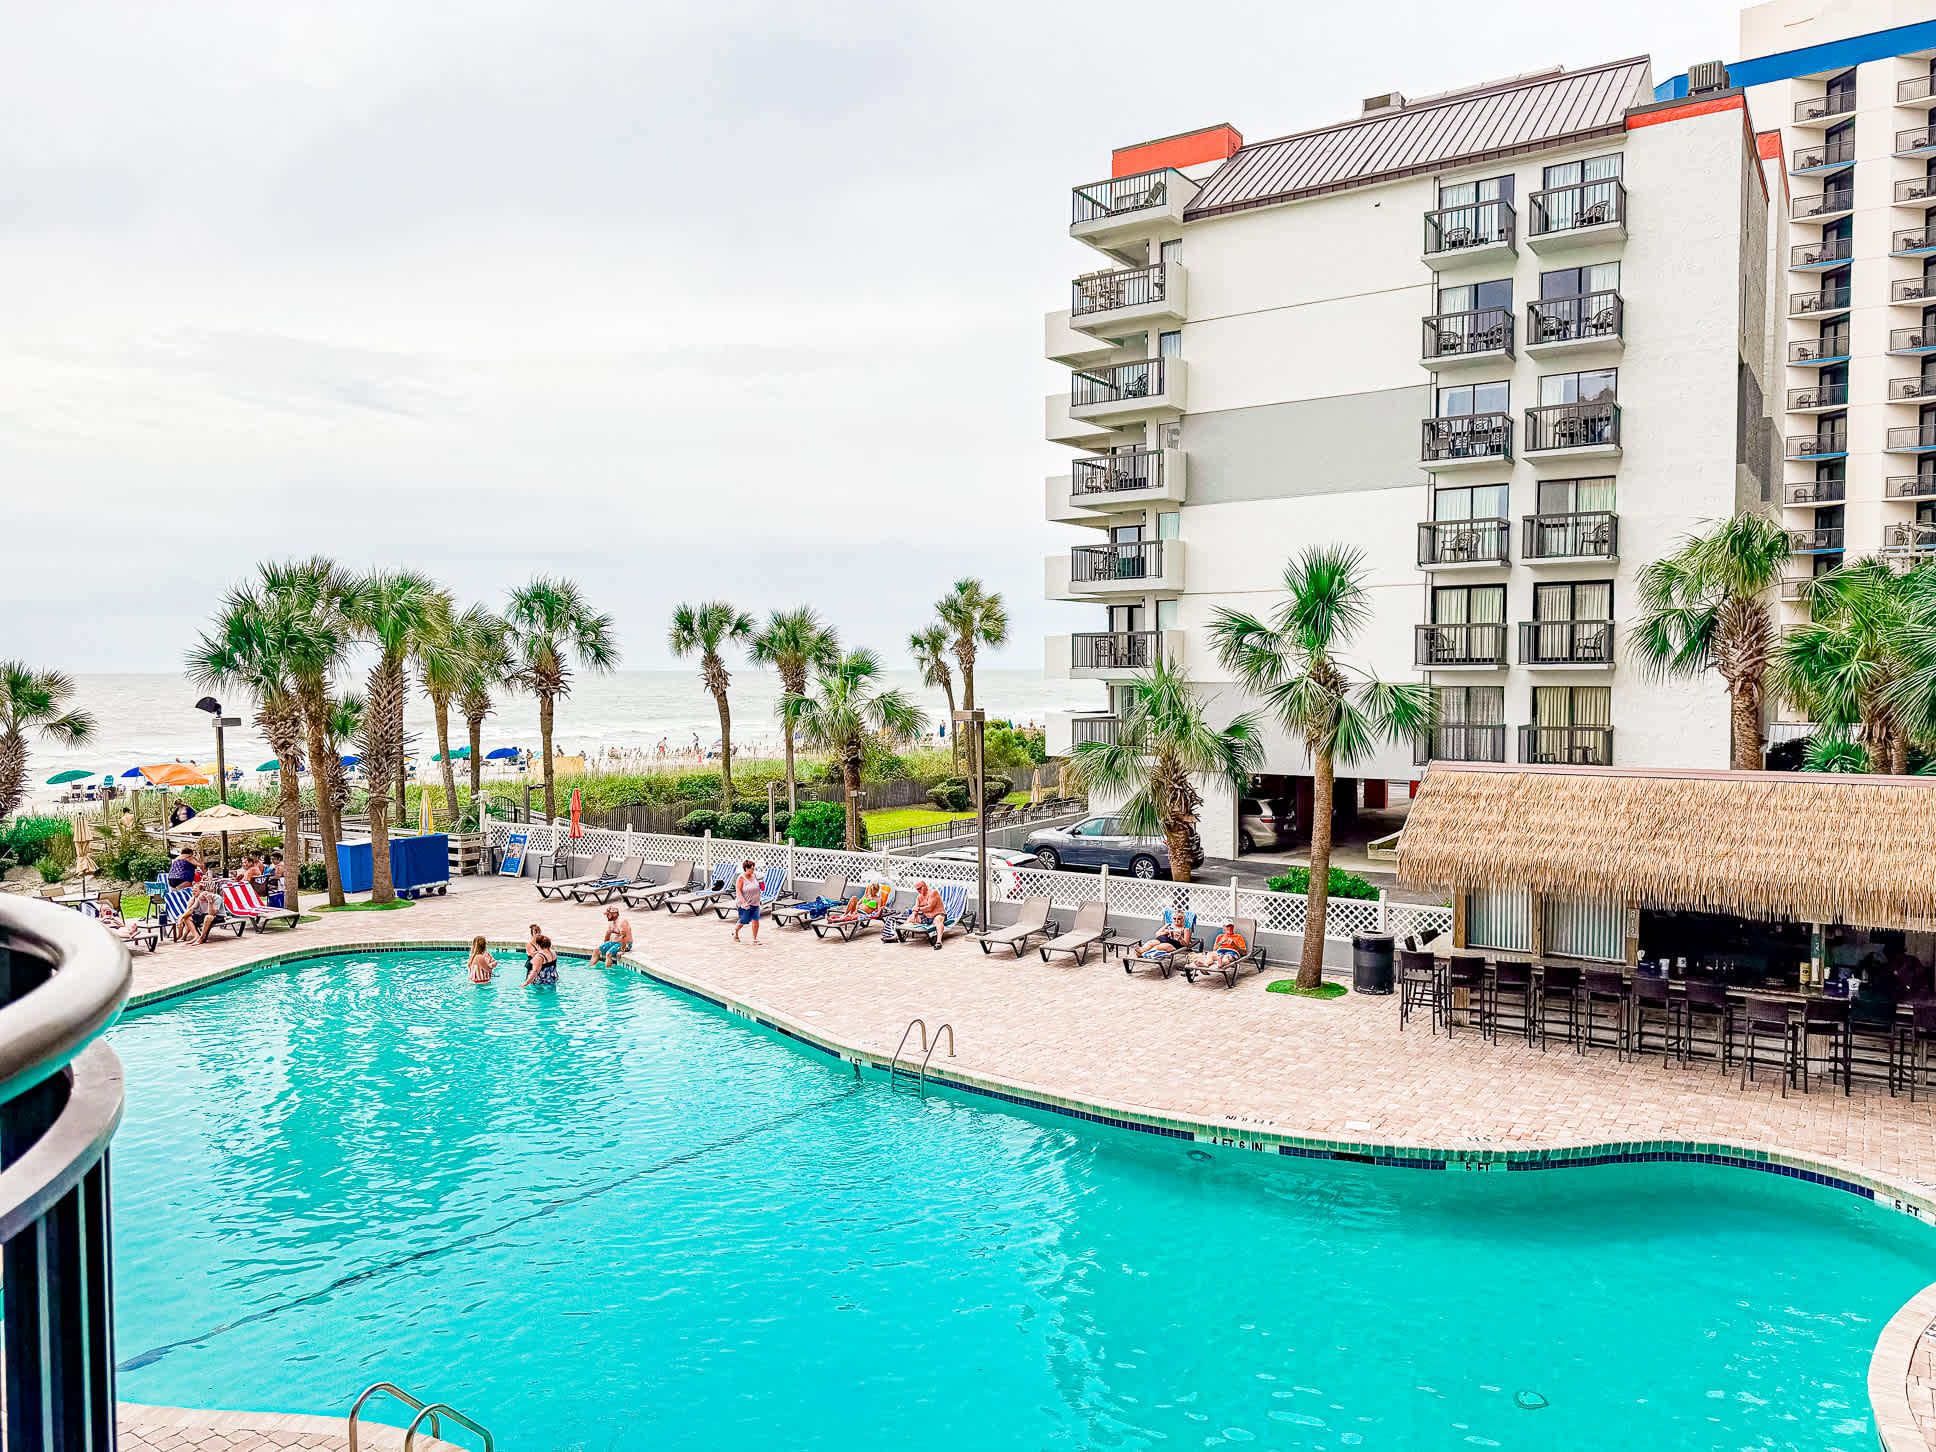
x: 608, y: 1217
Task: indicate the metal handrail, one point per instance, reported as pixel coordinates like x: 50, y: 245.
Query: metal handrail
x: 1572, y: 425
x: 356, y: 1407
x: 949, y: 1030
x: 1823, y: 253
x: 45, y: 1029
x: 431, y: 1411
x: 1915, y: 189
x: 1913, y: 239
x: 1818, y: 350
x: 1902, y: 340
x: 1916, y: 138
x: 1573, y: 319
x: 1910, y: 289
x: 1102, y: 292
x: 1116, y: 382
x: 1818, y: 108
x: 1822, y: 204
x: 1093, y: 201
x: 1823, y: 300
x: 1470, y: 224
x: 1596, y: 203
x: 1826, y: 153
x: 1139, y: 468
x: 1476, y: 330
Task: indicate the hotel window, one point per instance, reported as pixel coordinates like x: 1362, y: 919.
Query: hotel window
x: 1172, y: 251
x: 1477, y: 218
x: 1580, y: 281
x: 1166, y: 615
x: 1572, y: 625
x: 1169, y: 525
x: 1835, y: 338
x: 1570, y: 725
x: 1170, y: 345
x: 1500, y: 918
x: 1578, y: 927
x: 1838, y: 142
x: 1476, y: 297
x: 1125, y: 619
x: 1471, y: 723
x: 1574, y: 600
x: 1477, y: 501
x: 1473, y: 398
x: 1595, y: 386
x: 1578, y: 194
x: 1840, y: 86
x: 1469, y: 605
x: 1576, y: 496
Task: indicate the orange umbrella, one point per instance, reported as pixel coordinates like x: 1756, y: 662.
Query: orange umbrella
x: 173, y: 774
x: 577, y: 827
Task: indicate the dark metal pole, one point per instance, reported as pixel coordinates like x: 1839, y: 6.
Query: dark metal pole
x: 978, y: 719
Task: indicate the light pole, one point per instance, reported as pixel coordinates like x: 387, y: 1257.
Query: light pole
x: 977, y: 718
x: 772, y: 833
x: 214, y: 709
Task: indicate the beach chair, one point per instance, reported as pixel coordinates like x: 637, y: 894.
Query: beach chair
x: 1255, y: 958
x: 770, y: 886
x: 803, y: 910
x: 245, y: 904
x: 176, y: 908
x: 145, y: 931
x: 606, y: 888
x: 704, y: 897
x: 954, y: 918
x: 855, y: 915
x: 1091, y: 919
x: 562, y: 887
x: 649, y: 895
x: 1165, y: 958
x: 1033, y: 922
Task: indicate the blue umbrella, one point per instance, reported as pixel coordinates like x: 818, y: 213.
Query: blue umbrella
x: 352, y: 761
x: 501, y: 753
x: 131, y: 771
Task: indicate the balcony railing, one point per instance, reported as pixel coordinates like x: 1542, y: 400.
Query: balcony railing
x: 1821, y: 395
x: 1820, y: 108
x: 1131, y: 650
x: 1826, y: 153
x: 1817, y: 446
x: 1476, y: 224
x: 1092, y: 564
x: 1916, y: 189
x: 1463, y: 542
x: 1467, y: 436
x: 1827, y: 300
x: 1794, y: 590
x: 1902, y: 390
x: 1140, y: 378
x: 1917, y: 138
x: 1452, y: 335
x: 1121, y: 194
x: 1101, y: 292
x: 1592, y: 534
x: 1567, y: 319
x: 1917, y: 239
x: 1584, y: 204
x: 1460, y: 645
x: 1573, y: 425
x: 1910, y: 486
x: 1825, y: 253
x: 1916, y: 88
x: 1917, y: 540
x: 1914, y: 437
x: 1815, y: 541
x: 1094, y: 728
x: 1116, y: 473
x: 1566, y: 642
x: 1461, y: 741
x: 1910, y: 289
x: 1824, y: 204
x: 1815, y: 491
x: 1566, y: 745
x: 1818, y: 350
x: 1912, y: 340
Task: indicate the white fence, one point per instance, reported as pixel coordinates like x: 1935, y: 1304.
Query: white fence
x: 1275, y: 912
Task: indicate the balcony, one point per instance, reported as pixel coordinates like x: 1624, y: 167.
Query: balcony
x: 1915, y: 91
x: 1061, y: 426
x: 1470, y: 337
x: 1915, y: 191
x: 1460, y: 647
x: 1089, y: 572
x: 1831, y: 445
x: 1812, y: 492
x: 1814, y: 352
x: 1578, y: 216
x: 1566, y: 745
x: 1566, y: 644
x: 1120, y: 653
x: 1915, y: 439
x: 1464, y: 236
x: 1795, y: 590
x: 1466, y: 439
x: 1911, y: 390
x: 1128, y: 209
x: 1913, y: 242
x: 1104, y: 729
x: 1828, y: 303
x: 1823, y: 156
x: 1917, y: 141
x: 1829, y: 252
x: 1121, y: 393
x: 1824, y: 110
x: 1113, y: 302
x: 1818, y: 398
x: 1063, y: 344
x: 1908, y: 545
x: 1911, y: 291
x: 1815, y: 541
x: 1591, y: 323
x: 1132, y: 479
x: 1913, y: 340
x: 1909, y: 486
x: 1461, y: 741
x: 1823, y: 207
x: 1589, y: 535
x: 1573, y: 430
x: 1449, y: 544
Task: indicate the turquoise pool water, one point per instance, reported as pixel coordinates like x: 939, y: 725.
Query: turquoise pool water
x: 611, y: 1218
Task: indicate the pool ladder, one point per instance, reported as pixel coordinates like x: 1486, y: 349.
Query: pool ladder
x: 908, y: 1077
x: 433, y: 1411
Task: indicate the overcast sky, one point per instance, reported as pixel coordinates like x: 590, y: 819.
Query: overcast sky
x: 694, y: 300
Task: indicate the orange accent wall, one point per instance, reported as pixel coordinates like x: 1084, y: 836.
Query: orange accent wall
x: 1768, y: 145
x: 1692, y: 108
x: 1212, y: 143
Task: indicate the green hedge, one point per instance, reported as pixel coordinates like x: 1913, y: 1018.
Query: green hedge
x: 823, y: 825
x: 1343, y: 884
x: 27, y: 839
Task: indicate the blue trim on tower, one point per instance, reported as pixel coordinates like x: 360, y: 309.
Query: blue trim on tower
x: 1832, y: 55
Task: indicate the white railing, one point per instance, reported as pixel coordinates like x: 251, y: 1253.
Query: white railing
x: 1275, y: 912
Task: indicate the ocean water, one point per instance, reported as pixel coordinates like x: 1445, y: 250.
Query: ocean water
x: 608, y: 1217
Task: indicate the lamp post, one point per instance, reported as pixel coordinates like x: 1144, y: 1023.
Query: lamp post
x: 977, y: 718
x: 772, y: 834
x: 214, y: 709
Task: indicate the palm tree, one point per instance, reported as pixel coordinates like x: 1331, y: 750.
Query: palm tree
x: 548, y: 626
x: 33, y: 703
x: 974, y: 616
x: 1842, y: 668
x: 447, y: 657
x: 310, y: 592
x: 1836, y: 751
x: 704, y: 629
x: 794, y: 642
x: 252, y: 648
x: 929, y: 647
x: 845, y: 711
x: 1337, y: 711
x: 1162, y: 747
x: 1705, y: 607
x: 488, y: 667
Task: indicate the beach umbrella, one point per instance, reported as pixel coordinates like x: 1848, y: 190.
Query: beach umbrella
x: 577, y: 827
x: 502, y: 753
x: 459, y: 753
x: 173, y: 774
x: 270, y: 766
x: 352, y: 761
x: 85, y: 866
x: 220, y: 821
x: 131, y: 771
x: 61, y: 778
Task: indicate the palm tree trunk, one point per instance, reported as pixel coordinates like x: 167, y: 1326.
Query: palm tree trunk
x: 1317, y: 900
x: 850, y: 777
x: 725, y: 750
x: 544, y: 743
x: 954, y: 726
x: 475, y: 725
x: 965, y: 653
x: 1177, y: 834
x: 383, y: 762
x: 328, y: 825
x: 441, y: 706
x: 13, y: 772
x: 1898, y: 754
x: 1744, y: 725
x: 382, y: 889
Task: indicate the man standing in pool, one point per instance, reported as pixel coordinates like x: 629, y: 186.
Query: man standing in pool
x: 746, y: 896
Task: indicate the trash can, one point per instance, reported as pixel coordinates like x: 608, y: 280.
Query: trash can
x: 1371, y: 963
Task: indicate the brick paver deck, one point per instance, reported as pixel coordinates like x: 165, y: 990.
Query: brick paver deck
x: 170, y: 1429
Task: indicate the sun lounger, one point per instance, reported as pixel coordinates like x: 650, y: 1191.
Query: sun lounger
x: 649, y: 895
x: 561, y: 887
x: 1255, y: 957
x: 1033, y: 922
x: 246, y: 904
x: 1162, y: 958
x: 146, y: 932
x: 803, y: 909
x: 704, y: 897
x: 855, y: 915
x: 606, y: 888
x: 770, y: 886
x: 175, y: 907
x: 954, y: 918
x: 1091, y: 919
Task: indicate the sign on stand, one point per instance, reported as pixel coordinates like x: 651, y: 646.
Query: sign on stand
x: 514, y: 846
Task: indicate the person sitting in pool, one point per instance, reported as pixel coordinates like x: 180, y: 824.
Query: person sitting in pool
x: 1172, y: 937
x: 618, y: 937
x: 482, y: 964
x: 1229, y: 947
x: 544, y: 964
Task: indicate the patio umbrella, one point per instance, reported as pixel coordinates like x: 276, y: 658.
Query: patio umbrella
x: 270, y: 766
x: 352, y: 761
x: 577, y: 827
x: 173, y: 774
x: 131, y: 771
x: 459, y: 753
x: 220, y: 821
x: 84, y: 866
x: 61, y: 778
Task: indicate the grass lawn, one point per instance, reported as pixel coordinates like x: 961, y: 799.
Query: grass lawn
x: 899, y: 819
x: 1323, y: 990
x: 368, y: 907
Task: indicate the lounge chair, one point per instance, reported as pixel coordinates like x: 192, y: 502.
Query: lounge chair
x: 649, y: 895
x: 562, y: 887
x: 246, y: 904
x: 1091, y: 919
x: 606, y: 888
x: 704, y: 897
x: 855, y: 915
x: 175, y: 908
x: 955, y: 918
x: 802, y: 910
x: 1033, y: 922
x: 1164, y: 958
x: 146, y: 931
x: 1255, y: 957
x: 770, y: 886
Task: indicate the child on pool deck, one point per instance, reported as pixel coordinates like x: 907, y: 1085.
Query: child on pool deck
x: 482, y: 964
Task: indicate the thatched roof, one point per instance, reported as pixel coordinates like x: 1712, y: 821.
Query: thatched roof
x: 1805, y: 846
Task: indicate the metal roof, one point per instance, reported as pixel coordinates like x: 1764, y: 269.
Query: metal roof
x: 1497, y: 121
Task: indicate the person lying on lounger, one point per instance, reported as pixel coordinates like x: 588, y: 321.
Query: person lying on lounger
x: 1229, y: 947
x: 1172, y: 937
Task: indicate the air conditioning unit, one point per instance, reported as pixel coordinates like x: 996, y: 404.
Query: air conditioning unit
x: 1705, y: 77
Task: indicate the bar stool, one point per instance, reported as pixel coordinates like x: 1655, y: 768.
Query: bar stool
x: 1827, y: 1018
x: 1418, y: 986
x: 1561, y: 986
x: 1648, y: 1000
x: 1470, y: 974
x: 1757, y: 1021
x: 1707, y: 1003
x: 1872, y: 1027
x: 1913, y: 1041
x: 1511, y: 983
x: 1603, y: 988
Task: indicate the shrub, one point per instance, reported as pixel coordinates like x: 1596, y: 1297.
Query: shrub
x: 954, y: 794
x: 130, y: 857
x: 1006, y: 746
x: 50, y: 870
x: 26, y: 839
x: 737, y: 826
x: 823, y: 825
x: 311, y: 877
x: 699, y: 823
x: 1343, y: 884
x: 701, y: 786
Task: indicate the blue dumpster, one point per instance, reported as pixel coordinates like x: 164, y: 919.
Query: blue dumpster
x: 415, y: 863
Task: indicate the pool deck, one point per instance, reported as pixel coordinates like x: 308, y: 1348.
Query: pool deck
x: 1241, y: 1062
x: 170, y: 1429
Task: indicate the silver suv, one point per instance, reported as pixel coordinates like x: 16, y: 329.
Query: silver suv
x: 1097, y: 842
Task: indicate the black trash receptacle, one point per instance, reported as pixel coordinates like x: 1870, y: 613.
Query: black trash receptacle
x: 1371, y: 963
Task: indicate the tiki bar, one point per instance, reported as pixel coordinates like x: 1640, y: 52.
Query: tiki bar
x: 1778, y: 922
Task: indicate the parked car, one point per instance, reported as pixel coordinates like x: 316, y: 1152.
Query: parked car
x: 1259, y: 825
x: 1096, y: 842
x: 1002, y: 862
